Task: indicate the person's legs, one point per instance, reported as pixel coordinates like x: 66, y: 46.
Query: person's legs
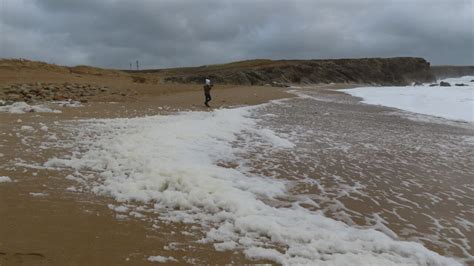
x: 208, y: 98
x: 205, y: 95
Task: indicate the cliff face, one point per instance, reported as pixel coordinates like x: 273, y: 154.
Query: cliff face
x: 377, y: 71
x: 373, y: 71
x: 441, y: 72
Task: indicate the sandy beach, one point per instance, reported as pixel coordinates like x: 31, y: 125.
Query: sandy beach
x: 46, y: 224
x: 51, y: 220
x: 101, y: 167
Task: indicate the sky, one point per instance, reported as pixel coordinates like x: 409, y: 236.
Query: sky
x: 175, y: 33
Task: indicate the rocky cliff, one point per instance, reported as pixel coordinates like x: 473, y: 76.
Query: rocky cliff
x: 376, y: 71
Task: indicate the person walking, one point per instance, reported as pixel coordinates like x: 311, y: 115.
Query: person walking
x: 207, y: 91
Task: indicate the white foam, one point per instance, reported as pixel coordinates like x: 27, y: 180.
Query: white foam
x: 464, y: 80
x: 469, y: 140
x: 43, y: 127
x: 161, y: 259
x: 27, y: 128
x: 22, y: 107
x: 118, y: 208
x: 177, y: 161
x: 69, y: 103
x: 275, y: 140
x: 5, y: 179
x: 455, y: 103
x: 72, y: 189
x: 38, y: 194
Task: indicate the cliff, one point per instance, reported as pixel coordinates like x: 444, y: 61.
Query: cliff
x: 377, y: 71
x: 371, y: 71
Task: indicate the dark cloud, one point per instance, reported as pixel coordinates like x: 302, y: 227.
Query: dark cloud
x: 166, y: 33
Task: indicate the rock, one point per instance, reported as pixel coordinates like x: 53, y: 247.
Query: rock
x: 417, y: 83
x: 278, y: 84
x: 24, y: 91
x: 434, y: 85
x: 59, y: 98
x: 472, y: 80
x: 444, y: 84
x: 14, y: 98
x: 384, y: 71
x: 460, y: 84
x: 138, y: 79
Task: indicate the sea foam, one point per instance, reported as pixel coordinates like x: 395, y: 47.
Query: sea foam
x: 177, y: 163
x: 455, y: 103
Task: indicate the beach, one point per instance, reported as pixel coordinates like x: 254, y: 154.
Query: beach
x: 313, y: 153
x: 48, y: 223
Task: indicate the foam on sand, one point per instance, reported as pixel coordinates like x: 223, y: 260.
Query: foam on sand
x: 22, y: 107
x: 5, y: 179
x: 455, y: 103
x: 176, y: 165
x: 161, y: 259
x: 38, y: 194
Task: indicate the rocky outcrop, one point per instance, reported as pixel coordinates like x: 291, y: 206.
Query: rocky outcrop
x: 444, y: 84
x: 37, y: 92
x: 376, y: 71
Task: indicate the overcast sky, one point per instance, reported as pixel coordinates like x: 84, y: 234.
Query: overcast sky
x: 169, y: 33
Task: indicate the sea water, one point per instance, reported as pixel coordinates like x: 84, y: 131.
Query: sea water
x: 454, y: 102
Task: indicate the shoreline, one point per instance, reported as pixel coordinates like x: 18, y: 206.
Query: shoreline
x: 60, y: 213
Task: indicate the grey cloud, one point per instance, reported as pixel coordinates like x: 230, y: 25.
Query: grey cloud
x: 112, y: 33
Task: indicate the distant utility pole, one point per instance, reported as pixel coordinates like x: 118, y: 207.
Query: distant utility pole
x: 137, y: 66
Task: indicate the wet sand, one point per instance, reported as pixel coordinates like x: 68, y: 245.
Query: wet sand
x: 407, y: 175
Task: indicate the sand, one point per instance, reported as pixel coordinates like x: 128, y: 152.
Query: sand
x: 43, y: 223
